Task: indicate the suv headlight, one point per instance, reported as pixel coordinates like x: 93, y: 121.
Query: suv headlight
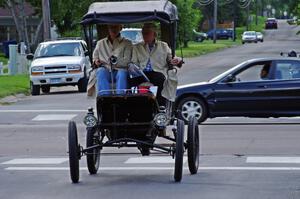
x: 161, y: 119
x: 74, y: 67
x: 37, y: 69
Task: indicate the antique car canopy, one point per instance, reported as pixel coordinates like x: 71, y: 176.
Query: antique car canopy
x: 130, y: 12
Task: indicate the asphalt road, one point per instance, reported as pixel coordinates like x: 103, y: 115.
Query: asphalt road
x: 240, y: 157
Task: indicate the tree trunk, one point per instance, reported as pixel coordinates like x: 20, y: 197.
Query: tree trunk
x: 11, y: 5
x: 25, y: 28
x: 37, y: 35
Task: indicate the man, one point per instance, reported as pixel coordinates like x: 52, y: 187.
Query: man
x: 154, y: 57
x: 112, y: 46
x: 264, y: 73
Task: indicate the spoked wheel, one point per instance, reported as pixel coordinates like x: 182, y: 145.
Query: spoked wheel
x: 193, y: 145
x: 93, y: 155
x: 74, y: 152
x: 179, y: 151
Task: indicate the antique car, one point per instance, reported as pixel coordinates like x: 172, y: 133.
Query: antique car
x: 132, y: 119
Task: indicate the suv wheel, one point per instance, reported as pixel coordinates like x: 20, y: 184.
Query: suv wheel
x: 82, y: 84
x: 34, y: 89
x: 45, y: 88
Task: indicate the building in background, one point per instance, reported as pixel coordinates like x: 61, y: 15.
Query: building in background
x: 8, y: 31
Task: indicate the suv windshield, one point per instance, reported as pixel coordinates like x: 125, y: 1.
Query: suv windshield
x: 57, y: 49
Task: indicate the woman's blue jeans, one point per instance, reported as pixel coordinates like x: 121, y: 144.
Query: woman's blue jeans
x: 104, y: 81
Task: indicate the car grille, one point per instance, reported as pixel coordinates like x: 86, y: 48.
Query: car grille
x: 55, y: 69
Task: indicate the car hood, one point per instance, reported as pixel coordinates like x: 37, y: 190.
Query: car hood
x: 63, y: 60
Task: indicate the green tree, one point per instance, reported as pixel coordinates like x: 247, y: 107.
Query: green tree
x: 189, y: 17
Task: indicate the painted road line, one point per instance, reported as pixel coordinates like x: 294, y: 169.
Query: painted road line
x: 41, y: 111
x: 54, y: 117
x: 153, y: 160
x: 36, y: 161
x: 272, y: 159
x: 156, y: 168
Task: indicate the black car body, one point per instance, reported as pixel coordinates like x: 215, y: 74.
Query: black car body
x: 243, y: 91
x: 271, y: 23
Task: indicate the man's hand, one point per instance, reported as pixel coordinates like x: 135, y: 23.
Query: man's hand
x: 97, y: 63
x: 176, y: 61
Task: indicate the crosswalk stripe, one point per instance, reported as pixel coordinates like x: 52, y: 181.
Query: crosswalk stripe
x: 18, y: 161
x: 156, y: 168
x: 272, y: 159
x: 41, y: 111
x: 54, y: 117
x: 152, y: 160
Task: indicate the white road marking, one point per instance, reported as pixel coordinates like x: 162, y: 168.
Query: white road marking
x: 156, y: 168
x: 272, y: 159
x: 153, y: 160
x: 41, y: 111
x: 36, y: 161
x: 54, y: 117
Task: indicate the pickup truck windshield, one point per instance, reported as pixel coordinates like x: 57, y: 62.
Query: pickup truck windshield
x: 58, y: 49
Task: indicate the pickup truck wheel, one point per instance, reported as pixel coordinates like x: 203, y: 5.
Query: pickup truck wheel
x: 45, y: 88
x: 82, y: 84
x: 34, y: 89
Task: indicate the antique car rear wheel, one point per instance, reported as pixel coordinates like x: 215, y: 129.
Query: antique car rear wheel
x: 179, y: 151
x: 93, y: 155
x: 74, y: 152
x: 193, y: 145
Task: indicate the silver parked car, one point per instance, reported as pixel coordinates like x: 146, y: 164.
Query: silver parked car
x: 249, y: 37
x: 260, y: 36
x: 59, y: 63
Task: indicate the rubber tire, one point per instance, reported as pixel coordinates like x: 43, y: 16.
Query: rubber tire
x: 198, y: 100
x: 34, y: 89
x: 82, y: 83
x: 74, y: 152
x: 45, y: 88
x: 92, y: 159
x: 193, y: 145
x: 179, y: 151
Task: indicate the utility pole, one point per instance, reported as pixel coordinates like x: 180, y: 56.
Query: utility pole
x: 46, y: 19
x: 248, y: 17
x: 256, y: 7
x: 215, y: 19
x: 234, y: 20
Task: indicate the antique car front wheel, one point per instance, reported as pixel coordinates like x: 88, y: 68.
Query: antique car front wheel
x: 74, y: 152
x: 179, y: 151
x: 193, y: 145
x: 93, y: 155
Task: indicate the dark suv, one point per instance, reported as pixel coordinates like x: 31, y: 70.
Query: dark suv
x: 271, y: 23
x: 220, y: 34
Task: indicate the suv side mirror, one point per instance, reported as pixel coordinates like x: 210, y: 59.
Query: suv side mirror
x: 86, y: 53
x: 230, y: 78
x: 30, y: 56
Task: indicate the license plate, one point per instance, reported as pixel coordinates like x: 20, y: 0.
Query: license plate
x: 55, y: 80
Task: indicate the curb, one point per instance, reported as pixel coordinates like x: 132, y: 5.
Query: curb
x: 12, y: 98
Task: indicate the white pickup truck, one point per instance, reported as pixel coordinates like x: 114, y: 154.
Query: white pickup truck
x: 59, y: 63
